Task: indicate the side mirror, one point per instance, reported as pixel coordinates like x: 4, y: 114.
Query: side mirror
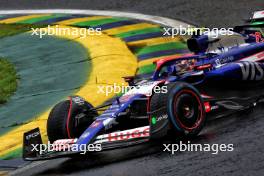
x: 129, y: 80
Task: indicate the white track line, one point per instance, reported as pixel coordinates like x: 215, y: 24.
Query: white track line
x: 155, y: 19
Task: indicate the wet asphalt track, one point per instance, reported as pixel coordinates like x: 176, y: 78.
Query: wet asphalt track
x: 246, y: 131
x: 209, y: 13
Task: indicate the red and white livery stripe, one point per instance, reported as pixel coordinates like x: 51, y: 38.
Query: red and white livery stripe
x: 254, y: 58
x: 134, y: 133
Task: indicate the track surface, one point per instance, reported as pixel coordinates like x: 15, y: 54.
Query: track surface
x: 246, y: 132
x: 213, y: 13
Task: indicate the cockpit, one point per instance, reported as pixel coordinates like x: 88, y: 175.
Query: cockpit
x: 177, y: 67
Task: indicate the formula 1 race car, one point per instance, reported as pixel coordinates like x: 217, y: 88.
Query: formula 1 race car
x: 224, y: 75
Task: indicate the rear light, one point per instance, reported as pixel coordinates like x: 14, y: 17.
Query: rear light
x: 207, y: 107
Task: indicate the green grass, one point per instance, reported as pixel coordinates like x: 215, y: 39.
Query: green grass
x: 99, y: 22
x: 146, y: 69
x: 8, y: 77
x: 39, y: 19
x: 11, y: 155
x: 138, y: 32
x: 13, y: 29
x: 8, y: 80
x: 160, y: 47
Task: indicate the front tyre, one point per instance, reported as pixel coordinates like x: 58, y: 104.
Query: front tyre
x: 69, y: 119
x: 185, y: 109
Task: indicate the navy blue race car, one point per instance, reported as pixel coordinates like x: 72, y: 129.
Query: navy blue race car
x: 221, y: 76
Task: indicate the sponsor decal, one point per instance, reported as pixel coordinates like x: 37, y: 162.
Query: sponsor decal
x: 128, y: 134
x: 225, y: 60
x: 62, y: 144
x: 95, y: 124
x: 32, y: 135
x: 155, y: 119
x: 164, y: 116
x: 85, y: 135
x: 125, y: 98
x: 114, y: 107
x: 108, y: 123
x: 251, y: 71
x: 65, y: 141
x: 78, y: 100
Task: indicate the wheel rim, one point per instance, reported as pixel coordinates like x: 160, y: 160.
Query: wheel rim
x: 187, y: 110
x: 77, y: 122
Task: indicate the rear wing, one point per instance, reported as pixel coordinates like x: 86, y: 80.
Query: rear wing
x: 258, y: 15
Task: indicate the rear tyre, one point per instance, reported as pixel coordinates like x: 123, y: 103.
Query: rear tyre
x: 67, y: 121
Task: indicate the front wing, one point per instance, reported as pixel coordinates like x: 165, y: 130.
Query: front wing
x: 107, y: 141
